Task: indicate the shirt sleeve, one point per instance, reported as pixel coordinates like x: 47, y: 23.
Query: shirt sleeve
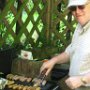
x: 68, y: 49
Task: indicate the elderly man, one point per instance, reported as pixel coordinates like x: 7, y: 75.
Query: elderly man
x: 78, y: 52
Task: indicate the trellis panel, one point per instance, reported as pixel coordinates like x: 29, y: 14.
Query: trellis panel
x: 47, y: 27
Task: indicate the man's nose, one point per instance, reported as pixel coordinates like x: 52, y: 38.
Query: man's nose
x: 77, y: 9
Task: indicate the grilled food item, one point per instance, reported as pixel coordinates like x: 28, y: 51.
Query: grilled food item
x: 44, y: 82
x: 10, y: 82
x: 22, y: 78
x: 16, y: 82
x: 28, y: 80
x: 10, y: 86
x: 38, y: 88
x: 15, y: 86
x: 10, y: 76
x: 20, y: 87
x: 16, y: 77
x: 38, y: 82
x: 33, y: 88
x: 25, y: 88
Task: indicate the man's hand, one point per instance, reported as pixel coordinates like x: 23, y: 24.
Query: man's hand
x: 47, y: 66
x: 74, y: 82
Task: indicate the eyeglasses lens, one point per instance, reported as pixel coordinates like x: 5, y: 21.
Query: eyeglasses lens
x: 73, y: 8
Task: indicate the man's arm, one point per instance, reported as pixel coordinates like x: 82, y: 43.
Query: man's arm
x: 77, y: 81
x: 86, y: 79
x: 61, y: 58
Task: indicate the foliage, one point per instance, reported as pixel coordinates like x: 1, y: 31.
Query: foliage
x: 10, y: 17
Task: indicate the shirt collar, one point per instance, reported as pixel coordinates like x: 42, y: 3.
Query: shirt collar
x: 85, y: 27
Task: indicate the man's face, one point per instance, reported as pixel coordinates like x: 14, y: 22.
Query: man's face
x: 81, y: 13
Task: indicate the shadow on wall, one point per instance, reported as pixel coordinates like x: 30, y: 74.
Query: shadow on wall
x: 6, y: 57
x: 2, y: 4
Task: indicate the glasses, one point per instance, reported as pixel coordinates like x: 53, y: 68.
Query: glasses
x: 74, y: 8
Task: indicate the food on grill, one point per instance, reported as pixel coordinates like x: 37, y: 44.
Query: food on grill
x: 10, y: 76
x: 25, y: 88
x: 33, y: 88
x: 10, y: 86
x: 29, y: 88
x: 29, y: 80
x: 38, y: 88
x: 22, y: 78
x: 43, y: 82
x: 15, y: 86
x: 20, y: 87
x: 16, y: 77
x: 16, y: 82
x: 38, y: 82
x: 10, y: 82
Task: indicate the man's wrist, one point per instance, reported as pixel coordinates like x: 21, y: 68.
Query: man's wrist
x: 84, y: 80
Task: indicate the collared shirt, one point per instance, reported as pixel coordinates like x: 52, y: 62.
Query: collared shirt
x: 79, y: 51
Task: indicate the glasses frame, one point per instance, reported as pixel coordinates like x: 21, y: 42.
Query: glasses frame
x: 74, y: 8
